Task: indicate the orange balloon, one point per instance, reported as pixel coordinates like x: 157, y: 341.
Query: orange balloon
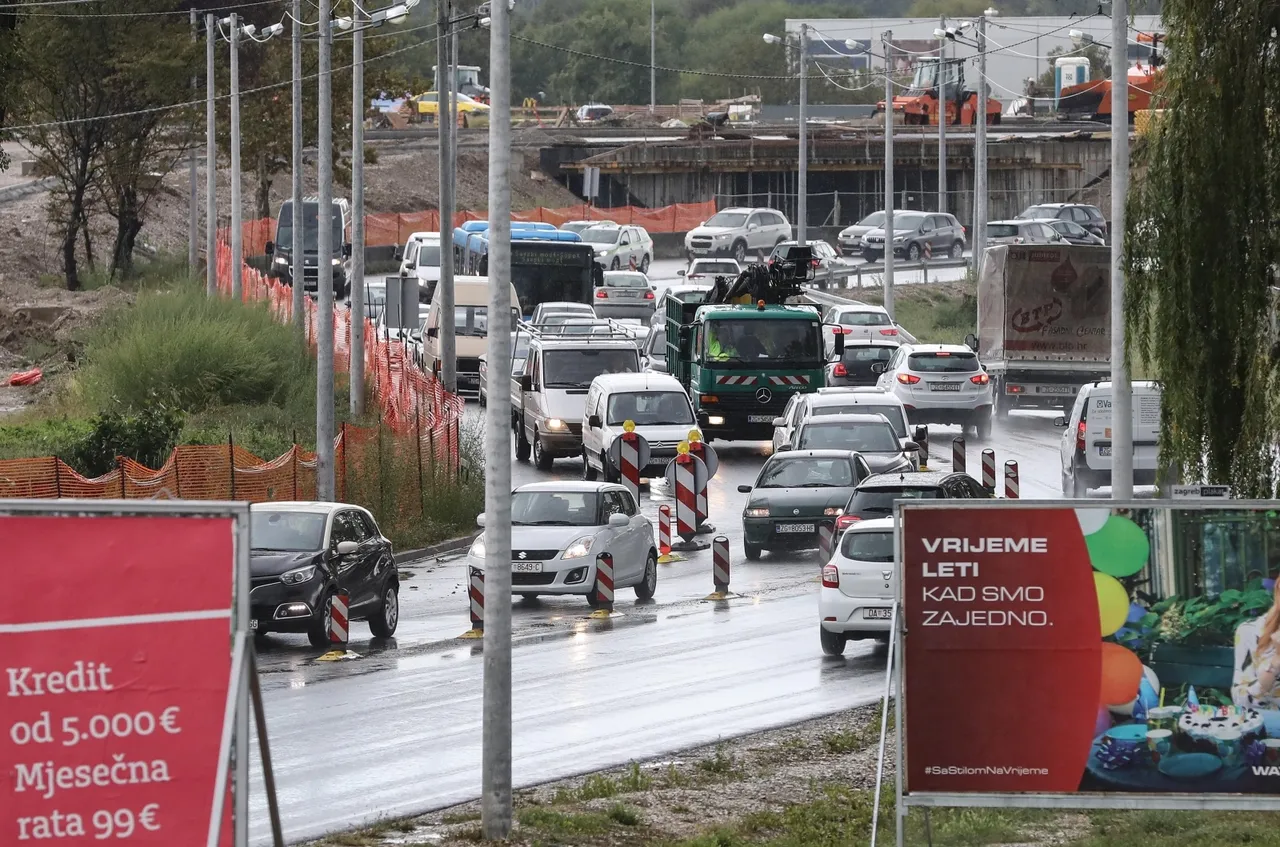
x: 1121, y: 674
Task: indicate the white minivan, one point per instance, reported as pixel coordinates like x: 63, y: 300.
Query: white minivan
x: 471, y: 330
x: 658, y: 405
x: 1086, y: 442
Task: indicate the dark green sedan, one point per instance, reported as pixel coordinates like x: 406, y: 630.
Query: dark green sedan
x: 795, y: 493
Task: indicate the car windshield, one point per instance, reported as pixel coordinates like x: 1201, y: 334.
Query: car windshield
x: 867, y: 546
x: 880, y: 500
x: 625, y: 279
x: 650, y: 408
x: 727, y: 219
x: 863, y: 319
x: 722, y: 268
x: 892, y: 414
x: 1036, y: 212
x: 310, y: 233
x: 943, y: 363
x: 576, y: 368
x: 658, y: 344
x: 577, y: 226
x: 907, y: 222
x: 558, y: 318
x: 600, y: 236
x: 794, y: 342
x: 865, y: 355
x: 874, y: 219
x: 1002, y: 230
x: 471, y: 320
x: 290, y: 532
x: 843, y: 435
x: 429, y: 256
x: 553, y: 508
x: 806, y: 472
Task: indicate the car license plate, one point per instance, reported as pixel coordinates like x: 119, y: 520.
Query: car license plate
x: 1104, y: 450
x: 526, y: 567
x: 1056, y: 389
x: 878, y: 614
x: 785, y: 528
x: 253, y: 623
x: 944, y: 386
x: 760, y: 418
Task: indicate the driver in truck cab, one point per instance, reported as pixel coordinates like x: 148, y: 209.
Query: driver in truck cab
x: 724, y: 341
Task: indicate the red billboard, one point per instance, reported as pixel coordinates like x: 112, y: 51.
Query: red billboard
x: 115, y: 633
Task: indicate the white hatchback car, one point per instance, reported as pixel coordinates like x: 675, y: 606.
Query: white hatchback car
x: 939, y: 383
x: 620, y: 247
x: 859, y: 585
x: 559, y: 528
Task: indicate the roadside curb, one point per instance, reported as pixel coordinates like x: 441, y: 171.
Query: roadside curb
x: 452, y: 545
x: 24, y: 189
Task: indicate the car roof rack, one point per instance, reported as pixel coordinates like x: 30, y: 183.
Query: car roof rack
x: 555, y: 332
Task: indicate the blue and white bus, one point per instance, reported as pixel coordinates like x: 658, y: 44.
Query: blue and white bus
x: 547, y: 264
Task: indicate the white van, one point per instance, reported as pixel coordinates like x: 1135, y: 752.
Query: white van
x: 658, y: 405
x: 1086, y: 443
x: 471, y: 330
x: 422, y: 262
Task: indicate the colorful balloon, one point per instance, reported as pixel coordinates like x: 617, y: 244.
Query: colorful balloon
x: 1120, y: 548
x: 1121, y: 674
x: 1148, y: 694
x: 1113, y: 603
x: 1092, y: 520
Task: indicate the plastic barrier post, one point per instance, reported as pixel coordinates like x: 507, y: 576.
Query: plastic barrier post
x: 664, y: 533
x: 686, y: 498
x: 958, y: 453
x: 604, y: 585
x: 1011, y: 480
x: 339, y: 604
x: 826, y: 542
x: 720, y: 567
x: 989, y: 471
x: 629, y: 468
x: 699, y: 449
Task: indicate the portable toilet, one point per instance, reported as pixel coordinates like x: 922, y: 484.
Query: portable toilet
x: 1068, y: 71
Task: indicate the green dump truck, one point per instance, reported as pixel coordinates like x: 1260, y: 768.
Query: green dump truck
x: 744, y: 351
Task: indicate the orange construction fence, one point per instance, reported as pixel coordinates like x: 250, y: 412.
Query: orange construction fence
x: 389, y: 229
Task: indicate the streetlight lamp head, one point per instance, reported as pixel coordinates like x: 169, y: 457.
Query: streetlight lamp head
x: 273, y: 30
x: 940, y: 34
x: 225, y: 21
x: 485, y: 22
x: 397, y: 14
x: 850, y: 44
x: 248, y: 30
x: 344, y: 23
x: 769, y: 38
x: 992, y: 13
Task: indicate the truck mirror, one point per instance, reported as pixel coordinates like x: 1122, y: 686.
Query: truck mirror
x: 594, y: 421
x: 526, y: 383
x: 433, y: 332
x: 398, y: 254
x: 971, y: 341
x: 837, y: 345
x: 270, y: 248
x: 679, y: 273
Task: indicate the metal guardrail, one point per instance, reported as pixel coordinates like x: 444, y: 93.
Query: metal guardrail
x: 851, y: 276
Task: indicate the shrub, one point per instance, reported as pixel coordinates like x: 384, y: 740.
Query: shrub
x: 147, y: 436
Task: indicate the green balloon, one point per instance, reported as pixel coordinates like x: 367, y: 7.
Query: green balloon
x: 1120, y: 548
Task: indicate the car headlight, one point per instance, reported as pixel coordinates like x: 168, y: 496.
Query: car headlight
x: 555, y: 424
x: 578, y: 548
x: 298, y: 576
x: 898, y: 238
x: 833, y: 511
x: 477, y: 547
x: 337, y: 262
x: 715, y: 420
x: 757, y: 512
x: 281, y: 260
x: 723, y: 237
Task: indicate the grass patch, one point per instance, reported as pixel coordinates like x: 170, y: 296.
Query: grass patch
x: 371, y: 836
x: 722, y: 764
x: 837, y: 818
x: 600, y: 787
x: 455, y: 818
x: 940, y: 313
x: 549, y: 823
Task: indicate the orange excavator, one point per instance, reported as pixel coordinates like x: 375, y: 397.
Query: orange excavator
x: 920, y: 105
x: 1091, y: 101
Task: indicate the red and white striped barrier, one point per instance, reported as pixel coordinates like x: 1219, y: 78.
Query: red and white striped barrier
x: 604, y: 583
x: 1011, y: 480
x: 629, y: 463
x: 735, y: 380
x: 339, y: 623
x: 664, y: 532
x: 958, y: 454
x: 476, y: 592
x: 789, y: 380
x: 708, y: 457
x: 826, y: 542
x: 686, y: 496
x: 720, y: 564
x: 989, y: 471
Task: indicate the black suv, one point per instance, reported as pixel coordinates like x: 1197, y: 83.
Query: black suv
x: 874, y: 496
x: 918, y: 233
x: 1088, y: 217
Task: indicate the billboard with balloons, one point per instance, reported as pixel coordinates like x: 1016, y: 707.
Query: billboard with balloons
x: 1071, y: 653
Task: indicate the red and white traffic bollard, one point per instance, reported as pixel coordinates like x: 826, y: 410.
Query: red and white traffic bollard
x: 339, y: 623
x: 699, y: 448
x: 629, y: 463
x: 604, y: 582
x: 686, y: 497
x: 826, y: 542
x: 1011, y: 480
x: 989, y: 471
x: 664, y: 531
x: 958, y: 454
x: 720, y: 564
x: 476, y: 592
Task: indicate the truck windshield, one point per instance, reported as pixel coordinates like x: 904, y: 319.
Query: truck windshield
x: 284, y: 229
x: 943, y: 363
x: 471, y: 320
x: 576, y: 368
x: 793, y: 342
x: 650, y: 408
x: 842, y: 435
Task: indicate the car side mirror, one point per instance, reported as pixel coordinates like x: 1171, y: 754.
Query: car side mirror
x: 433, y: 332
x: 618, y: 519
x: 877, y: 367
x: 971, y: 341
x: 346, y: 250
x: 480, y: 520
x: 679, y: 273
x: 346, y: 548
x: 911, y: 447
x: 526, y: 383
x: 594, y: 421
x: 744, y: 489
x: 779, y: 422
x: 270, y: 248
x: 837, y: 348
x: 1060, y: 421
x: 398, y: 254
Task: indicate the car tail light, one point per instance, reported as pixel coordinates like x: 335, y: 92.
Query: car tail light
x: 908, y: 379
x: 840, y: 370
x: 846, y: 521
x: 830, y: 576
x: 815, y: 262
x: 1080, y: 435
x: 980, y: 379
x: 841, y: 330
x: 888, y: 332
x: 648, y: 295
x: 601, y: 294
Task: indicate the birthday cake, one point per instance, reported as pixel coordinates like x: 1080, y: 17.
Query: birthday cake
x: 1206, y: 727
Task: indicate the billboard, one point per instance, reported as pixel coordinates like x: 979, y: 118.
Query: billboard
x: 1109, y: 655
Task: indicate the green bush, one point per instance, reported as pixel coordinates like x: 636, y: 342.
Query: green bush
x: 147, y: 436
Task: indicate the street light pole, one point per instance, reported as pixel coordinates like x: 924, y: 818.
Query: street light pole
x: 296, y: 272
x: 802, y: 190
x: 324, y: 265
x: 495, y: 774
x: 193, y: 208
x: 357, y: 215
x: 444, y: 134
x: 210, y: 163
x: 942, y: 117
x: 979, y: 243
x: 237, y: 236
x: 887, y: 39
x: 653, y: 54
x: 1121, y: 390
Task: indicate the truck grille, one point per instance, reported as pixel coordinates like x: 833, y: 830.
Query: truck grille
x: 739, y: 407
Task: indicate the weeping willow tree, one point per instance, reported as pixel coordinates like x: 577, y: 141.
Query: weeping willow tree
x: 1200, y: 244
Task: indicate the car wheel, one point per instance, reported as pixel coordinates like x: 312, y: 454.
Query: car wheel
x: 1079, y: 486
x: 318, y: 631
x: 482, y: 400
x: 957, y: 250
x: 609, y: 473
x: 832, y: 642
x: 752, y: 551
x: 740, y: 252
x: 648, y: 585
x: 644, y: 264
x: 523, y: 447
x: 542, y: 460
x: 913, y: 253
x: 528, y: 597
x: 466, y: 124
x: 383, y: 623
x: 615, y: 264
x: 588, y: 473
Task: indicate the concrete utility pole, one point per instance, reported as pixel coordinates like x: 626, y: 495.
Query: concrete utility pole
x: 210, y: 162
x: 887, y: 38
x: 802, y: 189
x: 445, y: 122
x: 324, y: 265
x: 495, y: 774
x: 237, y: 233
x: 653, y: 57
x: 1121, y: 390
x: 295, y: 254
x: 193, y: 207
x: 357, y: 213
x: 979, y: 242
x: 942, y: 117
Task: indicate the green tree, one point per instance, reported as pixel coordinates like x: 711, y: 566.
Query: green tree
x: 1200, y: 245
